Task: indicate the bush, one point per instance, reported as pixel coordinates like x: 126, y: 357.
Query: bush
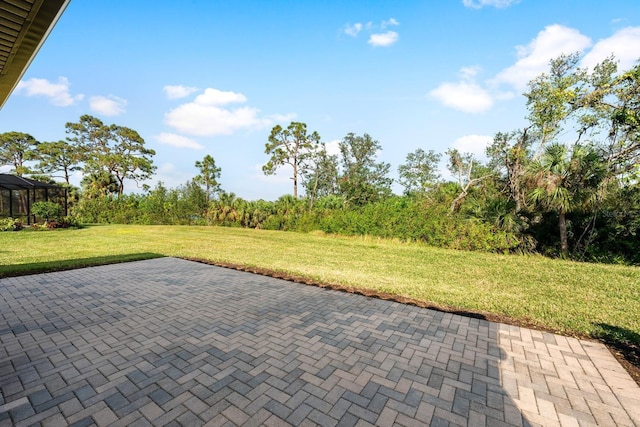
x: 408, y: 220
x: 10, y: 224
x: 65, y: 222
x: 49, y: 211
x: 69, y: 221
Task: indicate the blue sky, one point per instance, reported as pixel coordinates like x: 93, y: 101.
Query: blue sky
x: 198, y: 77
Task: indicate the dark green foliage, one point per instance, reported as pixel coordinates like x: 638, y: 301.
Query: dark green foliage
x: 613, y: 234
x: 111, y: 150
x: 363, y: 180
x: 208, y: 176
x: 291, y: 146
x: 419, y: 173
x: 99, y: 184
x: 321, y: 178
x: 184, y: 205
x: 107, y: 210
x: 565, y: 181
x: 15, y: 149
x: 509, y: 156
x: 411, y: 220
x: 58, y: 157
x: 47, y: 211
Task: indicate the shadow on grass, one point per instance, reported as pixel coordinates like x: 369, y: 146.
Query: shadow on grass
x: 13, y: 270
x: 620, y: 338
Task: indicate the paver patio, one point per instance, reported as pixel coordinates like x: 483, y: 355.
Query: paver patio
x: 174, y: 342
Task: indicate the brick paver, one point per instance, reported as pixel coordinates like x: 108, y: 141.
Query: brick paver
x: 173, y: 342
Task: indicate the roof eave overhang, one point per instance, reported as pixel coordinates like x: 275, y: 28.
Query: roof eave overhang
x: 32, y: 33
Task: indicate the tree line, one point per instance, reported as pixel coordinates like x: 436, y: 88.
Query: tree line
x: 566, y: 184
x: 106, y: 154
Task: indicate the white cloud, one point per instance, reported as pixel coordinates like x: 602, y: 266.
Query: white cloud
x: 376, y: 36
x: 179, y: 91
x: 203, y: 120
x: 390, y: 22
x: 218, y: 97
x: 333, y: 147
x: 500, y: 4
x: 178, y: 141
x: 208, y: 115
x: 383, y: 39
x: 107, y: 105
x: 353, y: 30
x: 534, y: 58
x: 465, y: 96
x: 58, y: 93
x: 474, y: 144
x: 624, y: 44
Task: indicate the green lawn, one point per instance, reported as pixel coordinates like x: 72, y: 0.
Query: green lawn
x: 571, y: 298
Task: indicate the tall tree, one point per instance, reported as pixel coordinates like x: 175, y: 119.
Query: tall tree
x: 419, y: 173
x: 193, y: 202
x: 116, y: 150
x: 58, y: 156
x: 363, y: 179
x: 321, y: 176
x: 623, y: 142
x: 554, y: 97
x: 208, y: 176
x: 566, y: 179
x: 509, y: 154
x: 603, y: 108
x: 291, y: 146
x: 128, y: 158
x: 89, y: 134
x: 15, y: 149
x: 602, y: 105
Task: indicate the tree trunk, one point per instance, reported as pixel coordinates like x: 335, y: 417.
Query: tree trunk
x: 516, y: 172
x: 514, y: 186
x: 315, y: 190
x: 455, y: 205
x: 121, y: 187
x: 562, y: 223
x: 295, y: 181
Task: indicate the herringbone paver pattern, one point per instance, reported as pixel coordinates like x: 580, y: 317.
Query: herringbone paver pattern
x: 173, y: 342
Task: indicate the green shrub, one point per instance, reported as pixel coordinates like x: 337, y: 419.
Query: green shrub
x: 48, y: 211
x: 10, y: 224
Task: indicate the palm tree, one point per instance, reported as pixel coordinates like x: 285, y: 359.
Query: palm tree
x: 99, y: 184
x: 564, y: 180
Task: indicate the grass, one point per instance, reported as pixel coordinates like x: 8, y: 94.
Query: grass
x: 600, y: 301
